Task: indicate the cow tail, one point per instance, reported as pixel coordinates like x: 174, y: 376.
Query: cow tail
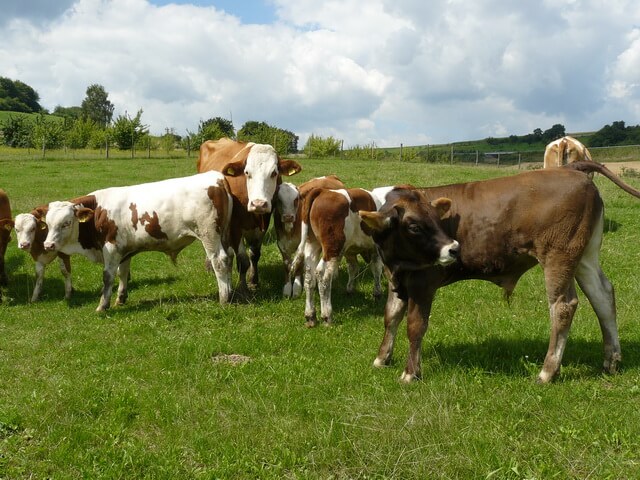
x: 589, y: 167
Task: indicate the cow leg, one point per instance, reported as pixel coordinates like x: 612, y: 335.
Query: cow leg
x: 254, y: 241
x: 326, y: 271
x: 242, y: 262
x: 599, y: 291
x: 394, y: 311
x: 311, y: 261
x: 563, y: 301
x: 222, y: 263
x: 111, y: 263
x: 123, y: 281
x: 65, y: 268
x: 352, y: 268
x: 37, y: 288
x: 418, y: 311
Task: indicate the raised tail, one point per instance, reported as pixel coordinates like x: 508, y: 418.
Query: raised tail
x: 589, y: 167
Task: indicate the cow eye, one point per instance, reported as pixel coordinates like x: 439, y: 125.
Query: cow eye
x: 274, y: 174
x: 414, y: 229
x: 248, y: 175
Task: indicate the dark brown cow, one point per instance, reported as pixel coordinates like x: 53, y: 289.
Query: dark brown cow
x: 287, y: 222
x: 505, y: 226
x: 6, y: 224
x: 253, y: 172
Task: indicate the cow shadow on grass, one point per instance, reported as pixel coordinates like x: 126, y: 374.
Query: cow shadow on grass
x: 610, y: 225
x: 522, y: 356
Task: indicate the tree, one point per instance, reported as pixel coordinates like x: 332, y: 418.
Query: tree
x: 16, y: 131
x: 283, y: 141
x: 79, y: 133
x: 555, y: 132
x: 127, y: 131
x: 73, y: 113
x: 322, y: 147
x: 46, y: 133
x: 215, y: 128
x: 96, y: 105
x: 17, y: 96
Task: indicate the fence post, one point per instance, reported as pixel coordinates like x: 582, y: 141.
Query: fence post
x: 477, y: 155
x: 400, y: 152
x: 498, y: 158
x: 451, y: 154
x: 519, y: 160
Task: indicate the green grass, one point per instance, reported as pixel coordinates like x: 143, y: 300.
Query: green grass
x: 141, y: 391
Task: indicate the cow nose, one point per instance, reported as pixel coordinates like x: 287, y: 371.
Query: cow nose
x: 454, y: 250
x: 259, y: 206
x: 288, y: 218
x: 24, y: 245
x: 49, y: 246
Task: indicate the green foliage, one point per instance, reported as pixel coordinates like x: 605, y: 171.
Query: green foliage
x: 96, y: 105
x: 72, y: 113
x: 128, y: 131
x: 320, y: 147
x: 616, y: 134
x: 17, y: 96
x: 283, y: 141
x: 16, y: 131
x: 80, y: 132
x: 46, y: 133
x: 215, y: 128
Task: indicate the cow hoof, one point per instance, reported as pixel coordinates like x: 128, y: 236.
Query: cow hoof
x: 610, y: 365
x: 379, y: 363
x: 310, y: 323
x: 408, y: 377
x: 544, y: 377
x: 287, y: 290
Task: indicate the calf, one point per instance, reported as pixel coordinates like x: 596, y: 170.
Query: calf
x: 253, y: 172
x: 505, y: 226
x: 287, y: 222
x: 6, y: 224
x: 163, y: 216
x: 31, y: 231
x: 330, y: 230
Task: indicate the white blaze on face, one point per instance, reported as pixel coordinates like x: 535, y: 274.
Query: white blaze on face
x: 288, y: 198
x: 60, y: 221
x: 449, y: 253
x: 25, y: 227
x: 261, y: 172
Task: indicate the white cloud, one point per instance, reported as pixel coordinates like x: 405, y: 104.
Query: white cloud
x: 389, y: 71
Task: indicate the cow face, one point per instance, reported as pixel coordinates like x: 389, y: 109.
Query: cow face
x: 408, y: 231
x: 287, y: 203
x: 262, y: 169
x: 62, y: 222
x: 26, y: 227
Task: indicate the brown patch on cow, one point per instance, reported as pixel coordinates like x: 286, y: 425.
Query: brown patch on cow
x: 106, y: 226
x: 134, y: 215
x: 152, y: 226
x: 218, y: 196
x: 361, y: 200
x: 5, y: 232
x: 327, y: 216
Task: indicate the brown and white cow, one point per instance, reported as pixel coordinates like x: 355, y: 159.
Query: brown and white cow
x: 331, y: 229
x: 505, y: 226
x: 31, y: 232
x: 563, y: 151
x: 163, y: 216
x: 253, y: 171
x: 6, y: 224
x: 287, y: 221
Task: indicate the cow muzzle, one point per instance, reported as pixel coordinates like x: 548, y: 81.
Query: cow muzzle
x: 49, y: 246
x: 259, y: 206
x: 286, y: 218
x: 449, y: 253
x: 24, y: 245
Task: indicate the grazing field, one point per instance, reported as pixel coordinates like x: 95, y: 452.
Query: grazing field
x: 172, y: 385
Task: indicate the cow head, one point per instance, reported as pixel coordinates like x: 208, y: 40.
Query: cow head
x: 62, y: 222
x: 408, y: 231
x: 27, y: 226
x: 262, y: 169
x: 287, y: 203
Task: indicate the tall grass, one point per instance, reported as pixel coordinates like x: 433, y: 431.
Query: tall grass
x: 172, y: 385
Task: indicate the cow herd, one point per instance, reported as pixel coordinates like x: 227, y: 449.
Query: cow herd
x: 423, y: 238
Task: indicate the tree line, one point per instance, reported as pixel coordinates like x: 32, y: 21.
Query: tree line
x: 92, y: 125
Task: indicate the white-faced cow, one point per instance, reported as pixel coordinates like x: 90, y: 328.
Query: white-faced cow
x: 287, y: 222
x: 505, y: 226
x: 253, y: 171
x: 563, y: 151
x: 31, y: 232
x: 163, y: 216
x: 331, y: 229
x: 6, y: 224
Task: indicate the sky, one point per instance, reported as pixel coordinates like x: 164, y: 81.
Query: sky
x: 363, y: 71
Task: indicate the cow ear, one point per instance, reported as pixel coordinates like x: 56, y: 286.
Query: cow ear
x: 42, y: 223
x: 375, y: 221
x: 7, y: 224
x: 442, y: 206
x: 289, y: 167
x: 84, y: 214
x: 233, y: 169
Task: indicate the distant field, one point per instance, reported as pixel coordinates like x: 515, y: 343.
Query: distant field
x: 172, y: 385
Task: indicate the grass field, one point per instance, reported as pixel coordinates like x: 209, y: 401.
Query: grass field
x: 172, y: 385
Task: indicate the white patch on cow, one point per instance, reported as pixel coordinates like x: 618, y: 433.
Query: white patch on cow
x: 288, y: 198
x: 261, y: 173
x: 379, y: 363
x: 25, y: 227
x: 380, y: 195
x: 446, y: 257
